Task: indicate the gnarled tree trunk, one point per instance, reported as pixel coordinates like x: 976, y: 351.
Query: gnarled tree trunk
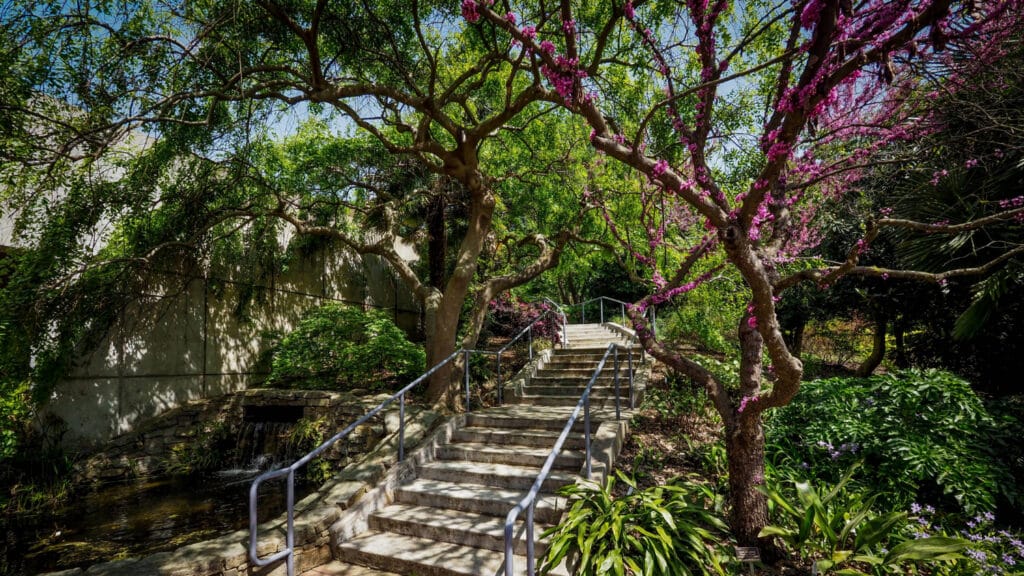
x: 869, y: 364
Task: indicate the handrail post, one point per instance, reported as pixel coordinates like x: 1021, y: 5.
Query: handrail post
x: 401, y: 427
x: 601, y: 302
x: 531, y: 341
x: 466, y: 372
x: 632, y: 397
x: 508, y: 548
x: 622, y: 313
x: 618, y: 411
x: 586, y: 431
x: 531, y: 562
x: 290, y: 538
x: 498, y: 356
x: 583, y: 313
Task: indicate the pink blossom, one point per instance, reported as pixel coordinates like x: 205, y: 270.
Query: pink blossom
x: 627, y: 8
x: 547, y: 46
x: 885, y: 275
x: 569, y: 26
x: 971, y: 163
x: 658, y: 280
x: 659, y: 168
x: 511, y: 18
x: 938, y: 176
x: 529, y: 32
x: 469, y: 11
x: 747, y: 400
x: 809, y: 17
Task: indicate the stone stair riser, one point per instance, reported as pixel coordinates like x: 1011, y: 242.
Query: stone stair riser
x: 582, y: 373
x: 487, y: 420
x: 546, y: 512
x: 490, y: 478
x: 566, y: 461
x: 595, y: 392
x: 595, y: 403
x: 602, y: 381
x: 487, y: 540
x: 529, y: 439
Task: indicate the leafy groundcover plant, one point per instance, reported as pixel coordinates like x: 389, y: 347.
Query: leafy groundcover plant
x: 923, y: 435
x: 838, y: 531
x: 988, y: 550
x: 670, y: 530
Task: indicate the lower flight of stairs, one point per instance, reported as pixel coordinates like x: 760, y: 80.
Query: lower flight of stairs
x: 449, y: 519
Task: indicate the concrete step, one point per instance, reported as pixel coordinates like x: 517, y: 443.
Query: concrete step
x: 514, y: 417
x: 423, y: 557
x: 607, y: 391
x: 457, y: 527
x: 560, y: 363
x: 530, y: 438
x: 542, y: 379
x: 485, y: 500
x: 338, y: 568
x: 600, y: 403
x: 570, y: 460
x: 579, y: 355
x: 584, y: 374
x: 499, y: 475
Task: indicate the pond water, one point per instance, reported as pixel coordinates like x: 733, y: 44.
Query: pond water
x: 135, y: 520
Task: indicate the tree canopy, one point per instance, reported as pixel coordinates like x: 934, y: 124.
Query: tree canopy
x: 717, y: 132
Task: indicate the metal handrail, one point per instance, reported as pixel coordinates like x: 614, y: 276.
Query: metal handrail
x: 622, y: 309
x: 528, y: 331
x: 289, y: 551
x: 529, y: 502
x: 565, y: 320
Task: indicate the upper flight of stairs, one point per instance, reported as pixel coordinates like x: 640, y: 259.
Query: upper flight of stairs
x: 449, y: 519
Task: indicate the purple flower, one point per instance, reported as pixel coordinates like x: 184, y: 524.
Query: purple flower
x: 977, y: 555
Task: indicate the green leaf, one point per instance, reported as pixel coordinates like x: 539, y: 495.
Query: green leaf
x: 874, y: 531
x: 932, y: 548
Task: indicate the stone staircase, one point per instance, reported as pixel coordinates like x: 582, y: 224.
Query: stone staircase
x: 448, y: 520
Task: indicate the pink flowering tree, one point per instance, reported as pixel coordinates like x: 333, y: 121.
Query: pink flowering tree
x: 739, y: 120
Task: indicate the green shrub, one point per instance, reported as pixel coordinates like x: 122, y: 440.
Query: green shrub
x: 675, y: 529
x: 337, y: 347
x: 923, y: 435
x: 15, y: 412
x: 307, y: 435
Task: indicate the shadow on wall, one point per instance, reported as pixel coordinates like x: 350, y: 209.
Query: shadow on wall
x: 187, y: 338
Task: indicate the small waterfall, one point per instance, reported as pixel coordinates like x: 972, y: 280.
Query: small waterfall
x: 263, y: 441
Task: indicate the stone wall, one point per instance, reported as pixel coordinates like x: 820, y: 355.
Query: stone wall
x: 228, y: 555
x: 147, y: 450
x: 188, y: 339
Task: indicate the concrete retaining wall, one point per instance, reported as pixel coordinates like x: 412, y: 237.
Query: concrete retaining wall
x: 187, y: 339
